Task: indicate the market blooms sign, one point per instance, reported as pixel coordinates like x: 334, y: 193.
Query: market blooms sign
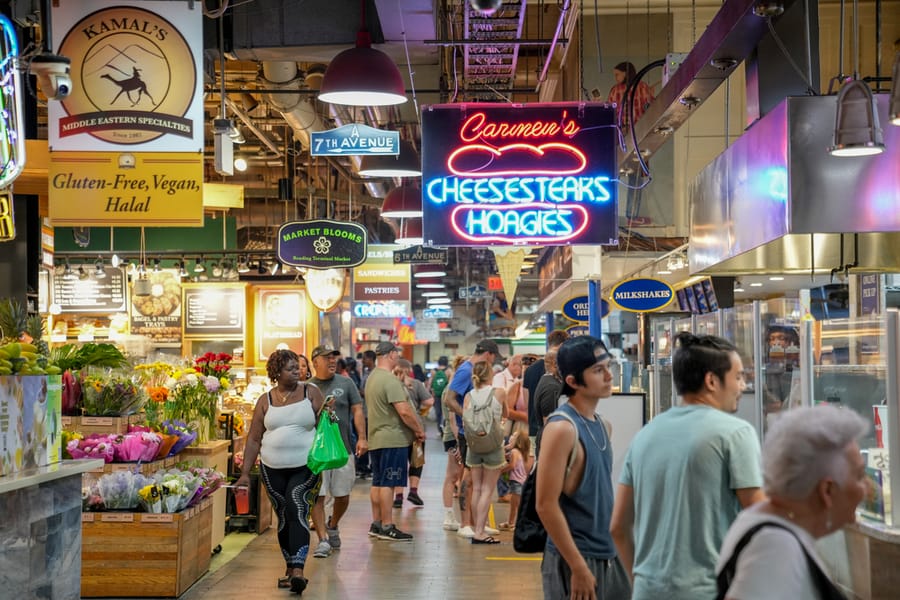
x: 321, y: 244
x: 516, y: 174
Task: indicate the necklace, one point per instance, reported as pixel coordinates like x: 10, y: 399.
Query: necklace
x: 588, y: 428
x: 283, y: 398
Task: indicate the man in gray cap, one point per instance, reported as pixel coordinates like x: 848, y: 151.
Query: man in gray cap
x: 393, y: 426
x: 337, y: 483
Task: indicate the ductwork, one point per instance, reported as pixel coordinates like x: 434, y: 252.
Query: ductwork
x: 298, y: 110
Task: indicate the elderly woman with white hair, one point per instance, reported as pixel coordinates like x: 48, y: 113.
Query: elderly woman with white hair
x: 814, y: 477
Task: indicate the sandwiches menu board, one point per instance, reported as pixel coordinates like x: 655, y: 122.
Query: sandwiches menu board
x: 81, y: 291
x: 212, y: 310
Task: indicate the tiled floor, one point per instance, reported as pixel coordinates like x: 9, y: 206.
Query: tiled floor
x: 437, y: 564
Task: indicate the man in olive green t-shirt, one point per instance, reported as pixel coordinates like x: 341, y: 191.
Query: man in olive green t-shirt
x: 393, y: 426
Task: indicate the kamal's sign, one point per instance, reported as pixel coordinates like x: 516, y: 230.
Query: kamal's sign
x: 517, y: 174
x: 354, y: 140
x: 322, y: 244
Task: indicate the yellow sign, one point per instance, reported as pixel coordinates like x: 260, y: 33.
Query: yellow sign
x: 223, y: 195
x: 90, y: 189
x: 7, y: 217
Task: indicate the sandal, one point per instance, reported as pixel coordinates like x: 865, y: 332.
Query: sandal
x: 284, y: 582
x: 506, y: 526
x: 487, y: 540
x: 298, y: 584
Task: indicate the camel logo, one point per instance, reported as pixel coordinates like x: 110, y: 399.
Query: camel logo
x: 135, y: 78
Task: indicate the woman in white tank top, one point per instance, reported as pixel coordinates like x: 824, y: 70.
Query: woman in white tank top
x: 281, y: 435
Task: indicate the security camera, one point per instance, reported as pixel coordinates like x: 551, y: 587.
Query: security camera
x: 52, y: 72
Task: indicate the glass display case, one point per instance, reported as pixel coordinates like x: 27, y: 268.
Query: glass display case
x: 737, y: 328
x: 779, y: 369
x: 661, y: 376
x: 708, y: 324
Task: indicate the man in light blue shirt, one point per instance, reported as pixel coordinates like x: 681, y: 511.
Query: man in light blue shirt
x: 686, y: 476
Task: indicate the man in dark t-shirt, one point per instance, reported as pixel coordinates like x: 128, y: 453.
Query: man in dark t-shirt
x: 531, y: 379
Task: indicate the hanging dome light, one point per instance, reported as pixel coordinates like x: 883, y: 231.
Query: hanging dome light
x: 404, y: 164
x: 856, y: 129
x: 363, y: 76
x: 403, y: 202
x: 410, y: 232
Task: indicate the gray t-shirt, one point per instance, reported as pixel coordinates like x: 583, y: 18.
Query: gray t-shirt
x: 346, y: 395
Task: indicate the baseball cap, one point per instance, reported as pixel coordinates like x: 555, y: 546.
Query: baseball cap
x: 386, y: 348
x: 489, y: 346
x: 578, y: 354
x: 324, y: 350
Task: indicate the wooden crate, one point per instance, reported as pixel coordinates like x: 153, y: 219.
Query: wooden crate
x: 90, y: 425
x: 141, y: 555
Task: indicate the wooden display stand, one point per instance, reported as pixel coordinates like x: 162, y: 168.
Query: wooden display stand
x: 144, y: 555
x: 91, y: 425
x: 213, y: 455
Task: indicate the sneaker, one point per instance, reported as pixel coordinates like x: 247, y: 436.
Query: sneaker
x: 450, y: 523
x: 414, y: 498
x: 398, y: 502
x: 466, y: 532
x: 374, y: 530
x: 334, y: 537
x: 323, y: 550
x: 491, y: 530
x: 392, y: 533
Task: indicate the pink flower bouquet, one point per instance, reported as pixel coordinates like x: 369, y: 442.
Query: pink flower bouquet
x: 94, y: 446
x: 139, y: 446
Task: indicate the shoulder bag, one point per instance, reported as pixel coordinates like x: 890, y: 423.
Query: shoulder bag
x: 824, y: 586
x: 529, y: 535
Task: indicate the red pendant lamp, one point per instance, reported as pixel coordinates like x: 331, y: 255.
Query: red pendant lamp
x: 402, y: 203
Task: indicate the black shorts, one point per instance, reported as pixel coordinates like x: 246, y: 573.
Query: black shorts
x: 461, y: 445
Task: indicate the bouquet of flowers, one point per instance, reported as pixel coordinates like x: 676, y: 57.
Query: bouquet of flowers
x: 209, y: 479
x: 166, y: 442
x: 119, y: 490
x: 111, y: 393
x: 93, y: 446
x: 214, y: 365
x: 180, y: 429
x: 151, y: 498
x: 193, y: 398
x: 177, y: 488
x: 137, y: 446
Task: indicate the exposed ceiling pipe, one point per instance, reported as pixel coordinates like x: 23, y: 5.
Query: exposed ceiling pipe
x: 246, y: 120
x: 563, y: 13
x: 298, y: 111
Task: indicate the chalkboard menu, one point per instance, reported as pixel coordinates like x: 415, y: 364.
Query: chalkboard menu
x: 214, y: 311
x: 75, y: 293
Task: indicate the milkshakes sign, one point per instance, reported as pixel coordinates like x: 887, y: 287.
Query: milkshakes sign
x: 126, y: 146
x: 642, y: 295
x: 516, y: 174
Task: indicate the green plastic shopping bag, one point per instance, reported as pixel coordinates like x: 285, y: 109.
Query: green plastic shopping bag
x: 328, y: 450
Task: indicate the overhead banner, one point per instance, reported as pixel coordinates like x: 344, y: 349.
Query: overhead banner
x: 354, y: 139
x: 642, y: 295
x: 518, y: 174
x: 93, y: 189
x: 135, y: 73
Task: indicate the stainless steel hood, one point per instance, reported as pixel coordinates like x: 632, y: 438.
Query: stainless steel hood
x: 777, y: 202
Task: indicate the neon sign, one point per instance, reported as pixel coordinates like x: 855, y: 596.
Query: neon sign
x: 515, y: 174
x: 12, y: 130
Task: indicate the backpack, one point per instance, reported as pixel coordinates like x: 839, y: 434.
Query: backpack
x: 483, y: 433
x: 438, y: 382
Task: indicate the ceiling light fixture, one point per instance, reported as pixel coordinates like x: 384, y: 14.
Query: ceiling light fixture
x: 240, y: 163
x: 756, y: 284
x: 243, y: 266
x: 99, y: 272
x: 429, y: 271
x: 856, y: 128
x: 434, y: 294
x: 182, y: 272
x: 410, y: 232
x: 405, y: 164
x: 199, y: 267
x: 402, y: 202
x: 438, y: 301
x: 430, y: 284
x: 363, y: 76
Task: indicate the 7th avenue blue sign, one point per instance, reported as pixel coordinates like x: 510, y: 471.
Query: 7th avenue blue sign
x: 354, y: 140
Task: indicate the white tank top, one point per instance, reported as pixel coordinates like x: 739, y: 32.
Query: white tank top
x: 289, y: 435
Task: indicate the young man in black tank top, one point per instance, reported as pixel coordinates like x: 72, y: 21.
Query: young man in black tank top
x: 570, y: 485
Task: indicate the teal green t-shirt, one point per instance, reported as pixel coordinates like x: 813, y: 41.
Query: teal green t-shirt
x: 684, y: 467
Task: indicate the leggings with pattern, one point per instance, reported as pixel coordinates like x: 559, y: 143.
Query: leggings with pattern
x: 293, y: 493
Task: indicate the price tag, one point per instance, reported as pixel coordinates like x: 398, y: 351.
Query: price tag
x: 119, y: 467
x: 66, y: 421
x: 158, y: 518
x: 87, y: 517
x: 117, y: 517
x: 96, y: 420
